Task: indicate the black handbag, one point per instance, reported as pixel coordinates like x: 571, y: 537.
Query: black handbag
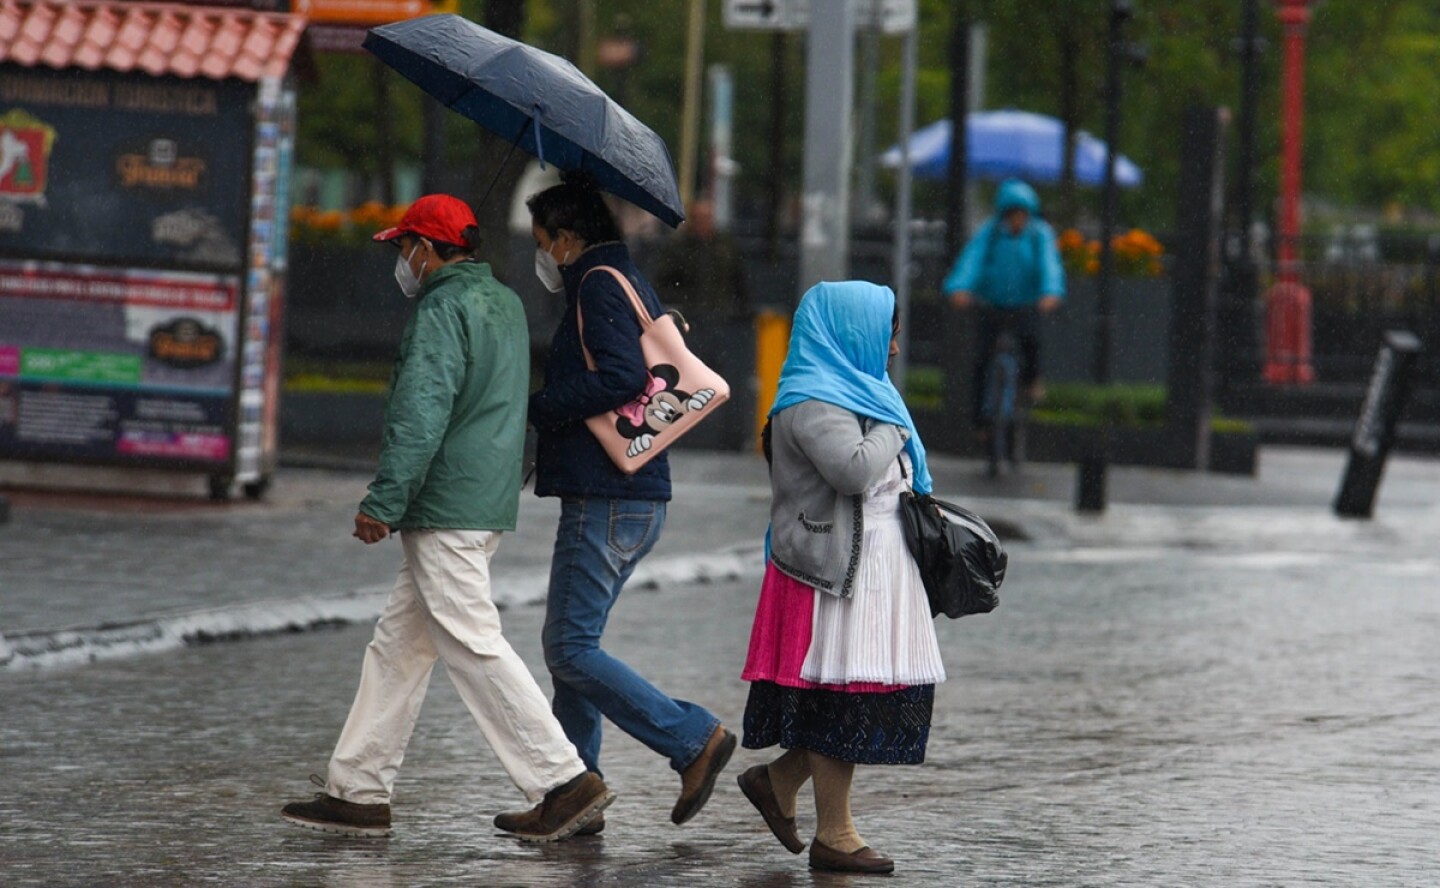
x: 961, y: 560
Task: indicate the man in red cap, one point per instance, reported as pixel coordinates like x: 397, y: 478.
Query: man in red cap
x: 449, y: 483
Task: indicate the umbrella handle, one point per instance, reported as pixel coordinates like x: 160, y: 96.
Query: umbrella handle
x: 501, y: 168
x: 535, y: 110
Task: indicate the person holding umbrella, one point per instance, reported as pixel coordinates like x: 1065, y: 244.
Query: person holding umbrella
x: 608, y: 520
x: 449, y: 483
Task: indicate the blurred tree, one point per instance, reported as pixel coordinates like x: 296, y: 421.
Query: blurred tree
x: 1371, y: 103
x: 1370, y: 93
x: 342, y: 124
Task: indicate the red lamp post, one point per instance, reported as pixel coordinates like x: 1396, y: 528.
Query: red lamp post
x: 1287, y: 322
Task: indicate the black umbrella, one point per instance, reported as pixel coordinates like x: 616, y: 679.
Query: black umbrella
x: 538, y: 101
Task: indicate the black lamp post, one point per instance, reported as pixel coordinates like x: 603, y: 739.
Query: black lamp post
x: 1116, y: 51
x: 1090, y: 482
x: 1240, y: 331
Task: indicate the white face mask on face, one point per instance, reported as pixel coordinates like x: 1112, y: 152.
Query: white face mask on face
x: 405, y: 276
x: 547, y: 269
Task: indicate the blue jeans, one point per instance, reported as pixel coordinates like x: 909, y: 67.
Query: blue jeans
x: 598, y: 545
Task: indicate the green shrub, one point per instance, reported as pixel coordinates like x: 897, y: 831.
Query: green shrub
x: 336, y: 377
x: 923, y: 388
x: 1136, y: 406
x: 1073, y: 403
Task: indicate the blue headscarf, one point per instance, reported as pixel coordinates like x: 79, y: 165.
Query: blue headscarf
x: 839, y: 346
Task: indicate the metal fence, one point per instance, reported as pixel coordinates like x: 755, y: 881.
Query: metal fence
x: 342, y: 302
x: 1361, y: 285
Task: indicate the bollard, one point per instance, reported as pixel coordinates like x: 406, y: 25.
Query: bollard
x: 1374, y: 434
x: 1090, y: 483
x: 772, y: 341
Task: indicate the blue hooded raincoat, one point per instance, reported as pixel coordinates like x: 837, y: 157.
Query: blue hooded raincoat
x: 1010, y: 270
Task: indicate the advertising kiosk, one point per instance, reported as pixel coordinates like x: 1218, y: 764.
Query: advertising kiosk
x: 145, y: 154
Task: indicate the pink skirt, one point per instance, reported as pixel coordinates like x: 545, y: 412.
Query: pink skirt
x: 780, y: 637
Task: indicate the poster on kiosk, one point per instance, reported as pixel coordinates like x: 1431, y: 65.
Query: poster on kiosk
x: 142, y: 248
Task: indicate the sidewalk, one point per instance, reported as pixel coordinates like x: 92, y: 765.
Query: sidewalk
x: 1214, y: 683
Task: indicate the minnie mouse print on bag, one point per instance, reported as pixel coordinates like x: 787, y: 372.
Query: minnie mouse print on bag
x: 680, y: 391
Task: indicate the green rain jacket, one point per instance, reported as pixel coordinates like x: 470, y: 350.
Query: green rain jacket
x: 455, y: 420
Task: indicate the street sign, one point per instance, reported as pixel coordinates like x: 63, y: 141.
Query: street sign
x: 890, y: 16
x: 768, y: 15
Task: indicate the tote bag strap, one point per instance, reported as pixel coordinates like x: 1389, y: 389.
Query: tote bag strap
x: 641, y: 312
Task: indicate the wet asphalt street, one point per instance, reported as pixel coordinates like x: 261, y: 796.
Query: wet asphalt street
x: 1240, y: 691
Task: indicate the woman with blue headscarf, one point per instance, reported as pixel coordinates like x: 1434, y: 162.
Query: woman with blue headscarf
x: 843, y: 658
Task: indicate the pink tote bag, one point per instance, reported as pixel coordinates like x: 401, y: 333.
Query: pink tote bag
x: 680, y: 390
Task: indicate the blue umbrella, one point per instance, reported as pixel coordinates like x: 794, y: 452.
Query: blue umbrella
x: 1002, y: 144
x: 538, y: 101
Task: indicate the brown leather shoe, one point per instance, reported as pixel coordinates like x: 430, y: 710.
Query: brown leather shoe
x: 866, y: 860
x: 564, y: 811
x: 698, y: 779
x: 518, y: 821
x: 331, y: 815
x: 593, y: 828
x: 755, y: 783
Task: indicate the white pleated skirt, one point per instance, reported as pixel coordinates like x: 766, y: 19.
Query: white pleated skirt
x: 884, y: 632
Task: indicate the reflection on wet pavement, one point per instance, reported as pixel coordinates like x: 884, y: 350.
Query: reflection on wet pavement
x: 1171, y: 697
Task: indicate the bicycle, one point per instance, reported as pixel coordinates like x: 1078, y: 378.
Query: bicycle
x: 1002, y: 413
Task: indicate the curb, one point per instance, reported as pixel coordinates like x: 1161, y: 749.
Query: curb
x: 78, y: 645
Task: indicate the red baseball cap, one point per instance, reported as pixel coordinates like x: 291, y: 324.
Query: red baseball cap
x: 438, y: 217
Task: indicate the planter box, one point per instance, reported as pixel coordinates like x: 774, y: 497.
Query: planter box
x: 317, y: 420
x: 1140, y: 351
x: 1231, y: 453
x: 320, y: 419
x: 342, y: 302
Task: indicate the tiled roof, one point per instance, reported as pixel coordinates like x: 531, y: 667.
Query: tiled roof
x: 181, y: 40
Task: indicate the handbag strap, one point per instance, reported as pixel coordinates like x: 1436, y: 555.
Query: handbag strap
x: 641, y: 312
x: 904, y: 475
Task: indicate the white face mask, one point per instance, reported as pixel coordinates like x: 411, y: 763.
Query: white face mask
x: 548, y: 270
x: 405, y: 276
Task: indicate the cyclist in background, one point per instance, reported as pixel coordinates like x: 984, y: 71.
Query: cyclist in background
x: 1011, y: 271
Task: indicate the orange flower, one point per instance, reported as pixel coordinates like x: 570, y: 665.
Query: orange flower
x: 370, y: 214
x: 329, y: 220
x: 1134, y: 252
x: 392, y: 216
x: 1137, y: 253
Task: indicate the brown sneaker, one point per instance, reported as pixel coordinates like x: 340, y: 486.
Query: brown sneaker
x: 697, y: 781
x: 563, y: 812
x: 331, y: 815
x: 593, y: 828
x: 519, y: 821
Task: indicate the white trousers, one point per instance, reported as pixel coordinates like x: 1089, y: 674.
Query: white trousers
x: 441, y: 608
